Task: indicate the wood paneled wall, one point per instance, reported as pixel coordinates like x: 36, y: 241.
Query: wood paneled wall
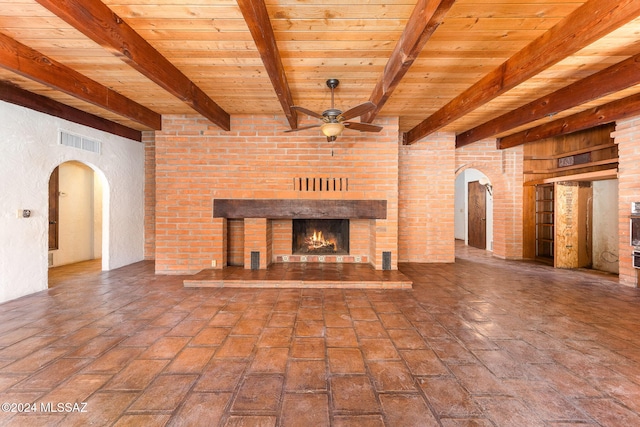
x: 541, y: 165
x: 541, y: 158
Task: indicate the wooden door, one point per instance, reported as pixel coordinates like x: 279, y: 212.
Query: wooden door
x: 477, y: 215
x: 54, y: 188
x: 573, y: 213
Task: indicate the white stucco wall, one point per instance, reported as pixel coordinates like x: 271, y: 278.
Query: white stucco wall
x: 29, y: 151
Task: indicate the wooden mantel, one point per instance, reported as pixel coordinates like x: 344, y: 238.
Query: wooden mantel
x: 299, y: 208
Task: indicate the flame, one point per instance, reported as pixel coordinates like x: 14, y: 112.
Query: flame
x: 317, y: 240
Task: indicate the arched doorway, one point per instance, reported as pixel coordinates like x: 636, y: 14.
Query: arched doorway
x: 473, y: 220
x: 78, y: 222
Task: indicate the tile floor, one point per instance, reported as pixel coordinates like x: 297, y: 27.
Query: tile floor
x: 482, y: 342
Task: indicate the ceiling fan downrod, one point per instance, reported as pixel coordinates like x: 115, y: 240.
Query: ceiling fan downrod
x: 332, y: 112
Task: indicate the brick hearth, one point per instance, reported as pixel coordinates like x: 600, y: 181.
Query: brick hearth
x: 301, y: 275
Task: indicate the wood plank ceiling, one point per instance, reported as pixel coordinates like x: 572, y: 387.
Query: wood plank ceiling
x: 479, y: 68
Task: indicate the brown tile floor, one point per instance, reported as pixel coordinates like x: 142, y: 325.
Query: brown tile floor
x: 481, y: 342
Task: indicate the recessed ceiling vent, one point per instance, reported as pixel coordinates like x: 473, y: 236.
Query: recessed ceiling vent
x: 81, y: 142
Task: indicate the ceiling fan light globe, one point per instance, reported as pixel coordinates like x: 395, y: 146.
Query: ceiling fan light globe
x: 332, y: 129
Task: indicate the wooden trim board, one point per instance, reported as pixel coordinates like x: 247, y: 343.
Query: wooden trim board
x: 299, y: 208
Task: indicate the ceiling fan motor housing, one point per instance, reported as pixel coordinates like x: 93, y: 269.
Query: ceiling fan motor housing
x: 331, y: 114
x: 333, y: 83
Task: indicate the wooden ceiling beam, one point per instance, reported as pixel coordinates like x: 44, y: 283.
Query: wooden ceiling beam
x: 610, y: 80
x: 95, y: 20
x: 585, y: 25
x: 27, y: 62
x: 257, y: 18
x: 607, y: 113
x: 424, y: 20
x: 15, y: 95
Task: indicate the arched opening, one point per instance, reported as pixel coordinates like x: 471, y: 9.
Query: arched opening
x: 78, y: 220
x: 473, y: 220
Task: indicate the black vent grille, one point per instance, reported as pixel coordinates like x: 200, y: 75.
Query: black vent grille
x: 386, y: 260
x: 255, y: 260
x: 320, y: 184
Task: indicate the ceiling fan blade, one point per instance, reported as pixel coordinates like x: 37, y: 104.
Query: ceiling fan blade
x: 303, y: 128
x: 362, y: 127
x: 357, y: 111
x: 308, y: 112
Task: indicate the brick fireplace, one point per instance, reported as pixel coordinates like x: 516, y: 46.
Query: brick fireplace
x: 305, y: 224
x: 197, y: 164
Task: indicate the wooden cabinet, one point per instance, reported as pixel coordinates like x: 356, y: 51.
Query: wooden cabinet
x: 563, y: 224
x: 545, y: 226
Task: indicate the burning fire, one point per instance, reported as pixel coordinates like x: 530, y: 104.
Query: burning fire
x: 318, y: 241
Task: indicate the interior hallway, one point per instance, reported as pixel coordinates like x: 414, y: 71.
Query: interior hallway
x: 481, y: 342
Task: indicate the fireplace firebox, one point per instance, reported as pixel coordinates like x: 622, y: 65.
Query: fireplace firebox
x: 320, y: 237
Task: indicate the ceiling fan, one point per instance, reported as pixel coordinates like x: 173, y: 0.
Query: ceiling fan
x: 335, y: 121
